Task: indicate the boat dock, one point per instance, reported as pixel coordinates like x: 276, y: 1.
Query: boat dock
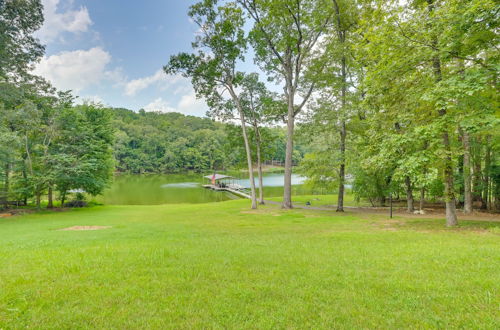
x: 238, y: 192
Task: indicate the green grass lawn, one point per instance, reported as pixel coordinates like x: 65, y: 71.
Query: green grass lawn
x: 222, y: 265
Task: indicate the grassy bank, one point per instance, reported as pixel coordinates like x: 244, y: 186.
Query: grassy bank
x: 222, y: 265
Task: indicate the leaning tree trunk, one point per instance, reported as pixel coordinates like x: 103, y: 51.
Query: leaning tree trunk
x: 259, y: 166
x: 467, y: 173
x: 247, y: 148
x: 249, y: 161
x: 409, y: 195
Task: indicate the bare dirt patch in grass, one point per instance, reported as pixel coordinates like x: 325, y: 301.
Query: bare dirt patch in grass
x: 388, y: 224
x: 85, y: 228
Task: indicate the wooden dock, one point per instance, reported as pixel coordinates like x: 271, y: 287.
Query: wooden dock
x: 232, y: 191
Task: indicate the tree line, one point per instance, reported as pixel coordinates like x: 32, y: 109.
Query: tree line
x: 156, y: 142
x: 48, y: 144
x: 395, y: 96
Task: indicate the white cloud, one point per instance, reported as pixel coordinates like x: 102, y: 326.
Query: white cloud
x: 160, y: 79
x: 56, y: 22
x: 136, y: 85
x: 188, y: 105
x: 77, y: 69
x: 159, y: 104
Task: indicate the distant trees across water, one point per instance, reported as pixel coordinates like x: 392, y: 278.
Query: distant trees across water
x: 155, y: 142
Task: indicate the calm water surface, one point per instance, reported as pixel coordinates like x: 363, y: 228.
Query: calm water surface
x: 181, y: 188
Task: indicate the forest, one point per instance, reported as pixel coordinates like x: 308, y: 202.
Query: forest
x: 155, y: 142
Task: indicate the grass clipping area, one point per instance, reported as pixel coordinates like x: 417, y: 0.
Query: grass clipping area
x: 222, y: 265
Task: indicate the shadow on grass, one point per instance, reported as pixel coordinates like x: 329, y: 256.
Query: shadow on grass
x: 437, y: 225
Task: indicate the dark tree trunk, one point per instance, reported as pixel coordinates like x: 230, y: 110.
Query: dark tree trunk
x: 38, y: 196
x: 343, y: 132
x: 477, y: 180
x: 63, y: 198
x: 340, y: 203
x: 422, y: 198
x: 6, y: 185
x: 50, y: 203
x: 25, y: 177
x: 461, y: 189
x: 467, y: 172
x: 486, y: 175
x: 409, y: 195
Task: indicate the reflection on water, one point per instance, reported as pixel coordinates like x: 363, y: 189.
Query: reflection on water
x: 182, y: 188
x: 180, y: 185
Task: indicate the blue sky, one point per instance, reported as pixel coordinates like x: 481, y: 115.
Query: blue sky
x: 112, y: 51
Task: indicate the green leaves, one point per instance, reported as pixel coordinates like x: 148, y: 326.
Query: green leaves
x: 19, y: 19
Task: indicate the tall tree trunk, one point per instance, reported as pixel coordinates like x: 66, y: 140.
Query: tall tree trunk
x: 422, y: 199
x: 38, y: 195
x: 259, y: 166
x: 449, y: 191
x: 343, y: 133
x: 467, y: 172
x: 247, y: 148
x: 287, y: 185
x: 25, y: 177
x: 340, y: 198
x: 461, y: 190
x: 409, y: 195
x: 477, y: 170
x: 486, y: 175
x: 249, y: 161
x: 50, y: 203
x: 6, y: 185
x: 63, y: 198
x: 451, y: 215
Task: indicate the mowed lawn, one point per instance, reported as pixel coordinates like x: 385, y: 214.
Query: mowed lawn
x: 222, y: 265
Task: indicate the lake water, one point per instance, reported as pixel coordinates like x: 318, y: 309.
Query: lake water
x: 182, y: 188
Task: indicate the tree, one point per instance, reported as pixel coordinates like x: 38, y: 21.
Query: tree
x: 82, y: 157
x: 19, y: 19
x: 256, y: 100
x: 212, y: 68
x: 284, y: 36
x: 421, y: 46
